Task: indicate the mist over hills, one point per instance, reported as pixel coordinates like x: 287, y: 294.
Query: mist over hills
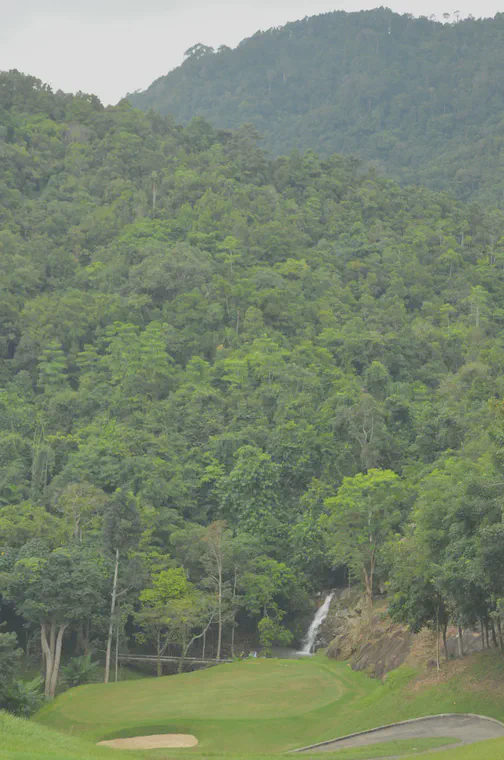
x: 421, y: 100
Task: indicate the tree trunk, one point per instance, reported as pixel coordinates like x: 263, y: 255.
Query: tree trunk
x: 460, y: 641
x: 445, y: 645
x: 159, y: 664
x: 111, y: 626
x: 57, y: 659
x: 438, y: 665
x: 117, y: 651
x: 494, y: 637
x: 52, y: 642
x: 87, y: 636
x: 219, y: 632
x: 499, y: 628
x: 48, y: 658
x: 368, y: 585
x: 233, y: 607
x: 185, y: 649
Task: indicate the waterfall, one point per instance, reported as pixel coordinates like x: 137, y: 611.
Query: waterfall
x: 310, y: 639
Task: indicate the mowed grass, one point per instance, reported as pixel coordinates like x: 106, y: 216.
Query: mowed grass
x: 252, y: 689
x: 254, y: 706
x: 266, y: 707
x: 25, y: 740
x: 489, y: 750
x: 399, y: 748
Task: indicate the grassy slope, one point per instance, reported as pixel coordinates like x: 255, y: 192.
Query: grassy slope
x: 23, y: 740
x: 287, y: 700
x: 269, y: 706
x: 491, y: 750
x: 20, y: 740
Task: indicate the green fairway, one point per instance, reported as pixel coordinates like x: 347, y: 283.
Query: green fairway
x: 264, y: 688
x: 268, y: 706
x: 256, y: 706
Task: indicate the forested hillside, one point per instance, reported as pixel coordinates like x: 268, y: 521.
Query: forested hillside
x: 224, y: 376
x: 422, y: 100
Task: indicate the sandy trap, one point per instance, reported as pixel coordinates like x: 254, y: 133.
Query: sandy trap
x: 157, y: 741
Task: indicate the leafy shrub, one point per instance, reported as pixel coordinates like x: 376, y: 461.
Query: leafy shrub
x: 25, y: 697
x: 80, y: 670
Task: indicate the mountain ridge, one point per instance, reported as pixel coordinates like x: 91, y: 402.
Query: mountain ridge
x: 421, y: 100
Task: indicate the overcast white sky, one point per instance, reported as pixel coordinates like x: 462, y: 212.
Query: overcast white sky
x: 110, y: 47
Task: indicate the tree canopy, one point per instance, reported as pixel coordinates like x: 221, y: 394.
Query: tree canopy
x: 213, y: 361
x: 420, y: 99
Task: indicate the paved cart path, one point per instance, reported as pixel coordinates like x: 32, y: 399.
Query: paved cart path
x: 466, y: 728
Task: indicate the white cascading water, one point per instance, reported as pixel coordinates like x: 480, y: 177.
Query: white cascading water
x: 321, y: 614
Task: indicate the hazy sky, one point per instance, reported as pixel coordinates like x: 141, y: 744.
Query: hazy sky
x: 110, y: 47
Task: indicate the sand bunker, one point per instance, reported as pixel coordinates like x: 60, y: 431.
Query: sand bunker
x: 157, y: 741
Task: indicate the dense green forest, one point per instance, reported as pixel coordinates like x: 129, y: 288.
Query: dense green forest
x: 423, y: 101
x: 225, y: 377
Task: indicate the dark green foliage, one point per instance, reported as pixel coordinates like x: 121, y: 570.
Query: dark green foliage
x: 421, y: 100
x: 79, y: 670
x: 25, y: 697
x: 194, y: 334
x: 9, y: 660
x: 16, y: 696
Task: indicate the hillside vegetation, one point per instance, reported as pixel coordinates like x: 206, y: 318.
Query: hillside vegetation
x: 422, y: 100
x: 225, y: 378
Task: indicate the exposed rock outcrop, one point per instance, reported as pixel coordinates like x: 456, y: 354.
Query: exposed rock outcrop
x: 366, y: 636
x: 369, y: 640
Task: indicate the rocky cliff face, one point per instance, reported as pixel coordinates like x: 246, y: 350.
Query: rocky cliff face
x: 370, y: 641
x: 365, y: 635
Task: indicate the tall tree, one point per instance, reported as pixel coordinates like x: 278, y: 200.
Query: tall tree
x: 157, y: 615
x: 121, y: 533
x: 264, y: 584
x: 54, y: 589
x: 362, y: 518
